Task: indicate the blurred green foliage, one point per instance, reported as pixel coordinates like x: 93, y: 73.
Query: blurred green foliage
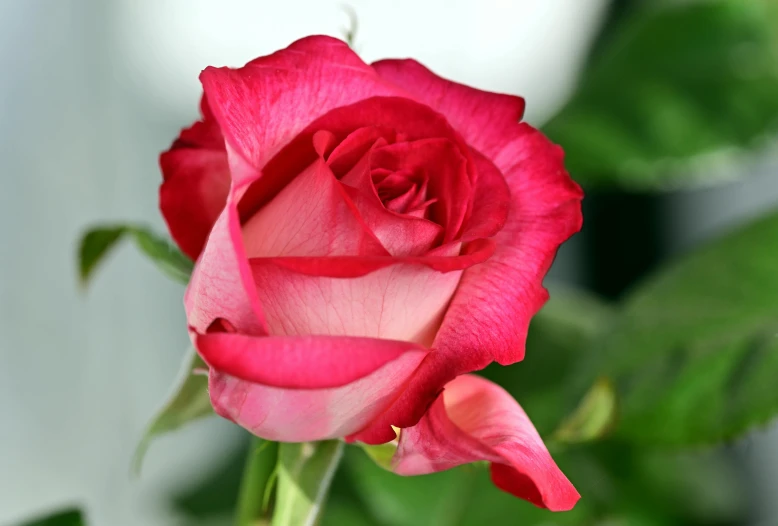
x: 676, y: 91
x: 694, y: 349
x: 71, y: 517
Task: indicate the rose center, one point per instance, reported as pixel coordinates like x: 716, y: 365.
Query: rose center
x: 402, y: 191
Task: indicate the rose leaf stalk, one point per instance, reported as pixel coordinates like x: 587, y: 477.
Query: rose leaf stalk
x: 305, y: 472
x: 257, y: 480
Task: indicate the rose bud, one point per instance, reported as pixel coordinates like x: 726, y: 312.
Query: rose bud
x: 364, y: 234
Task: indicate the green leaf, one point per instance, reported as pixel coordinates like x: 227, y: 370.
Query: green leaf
x: 677, y: 93
x: 594, y: 416
x: 97, y: 243
x: 188, y: 401
x: 694, y: 353
x: 305, y: 472
x: 65, y: 518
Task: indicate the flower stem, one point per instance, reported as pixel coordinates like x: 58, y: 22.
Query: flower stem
x: 257, y: 475
x: 305, y: 472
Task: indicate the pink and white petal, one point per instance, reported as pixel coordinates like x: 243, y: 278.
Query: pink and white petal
x: 481, y: 117
x: 299, y: 362
x: 311, y: 216
x: 476, y: 420
x: 299, y: 415
x: 401, y: 234
x: 490, y: 313
x: 221, y: 286
x: 397, y: 302
x: 265, y: 104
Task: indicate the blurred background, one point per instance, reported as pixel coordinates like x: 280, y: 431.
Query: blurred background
x: 667, y: 111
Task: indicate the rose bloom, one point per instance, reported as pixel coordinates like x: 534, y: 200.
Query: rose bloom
x: 365, y: 236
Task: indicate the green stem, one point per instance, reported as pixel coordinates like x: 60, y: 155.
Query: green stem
x: 305, y: 472
x: 260, y: 464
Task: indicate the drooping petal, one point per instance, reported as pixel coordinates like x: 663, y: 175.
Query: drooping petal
x: 265, y: 104
x: 481, y: 117
x: 475, y: 420
x: 299, y: 362
x: 196, y: 179
x: 397, y: 302
x: 298, y: 415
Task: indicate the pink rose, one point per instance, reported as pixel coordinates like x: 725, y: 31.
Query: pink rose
x: 364, y: 235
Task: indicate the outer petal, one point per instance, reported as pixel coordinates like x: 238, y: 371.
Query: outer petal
x: 297, y: 415
x: 267, y: 103
x: 475, y: 420
x: 490, y: 313
x: 481, y: 117
x: 196, y: 179
x: 304, y: 362
x: 398, y: 302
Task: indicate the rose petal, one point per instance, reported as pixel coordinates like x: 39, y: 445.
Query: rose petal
x: 221, y: 286
x: 398, y: 302
x: 196, y: 179
x: 311, y: 216
x: 304, y: 362
x: 447, y: 169
x: 441, y: 259
x: 491, y: 201
x: 475, y: 420
x: 300, y: 415
x: 265, y: 104
x: 354, y: 147
x: 481, y: 117
x: 401, y: 234
x: 490, y: 313
x: 406, y: 118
